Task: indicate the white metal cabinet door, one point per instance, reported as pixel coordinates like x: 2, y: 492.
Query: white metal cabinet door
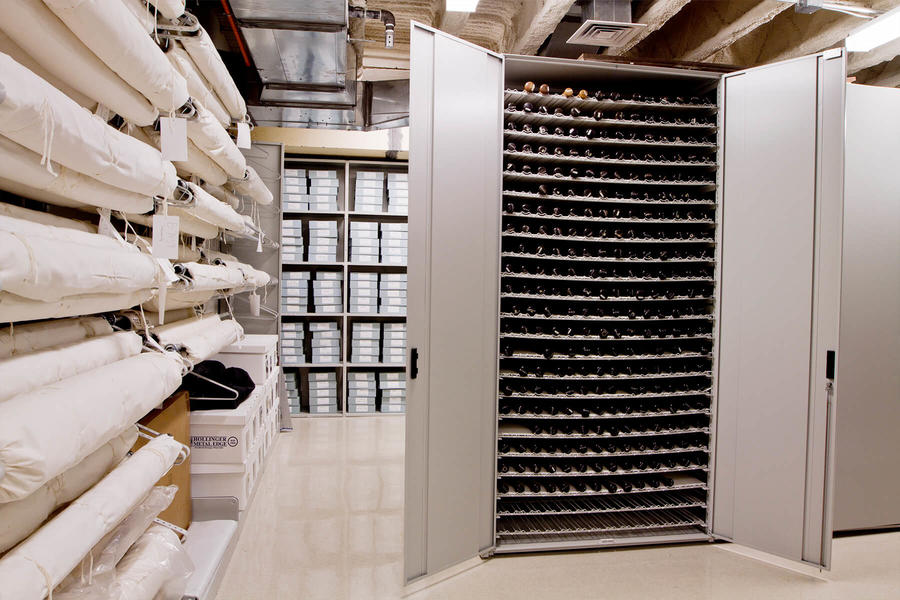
x: 456, y: 125
x: 779, y: 307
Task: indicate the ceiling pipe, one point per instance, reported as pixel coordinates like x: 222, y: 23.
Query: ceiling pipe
x: 385, y: 16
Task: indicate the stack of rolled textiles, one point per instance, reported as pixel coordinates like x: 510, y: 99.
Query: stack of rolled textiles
x: 398, y: 193
x: 323, y: 241
x: 361, y: 392
x: 363, y: 293
x: 293, y: 391
x: 292, y: 337
x: 393, y: 347
x: 393, y: 243
x: 393, y: 392
x: 294, y: 292
x: 364, y: 242
x: 392, y: 294
x: 369, y: 192
x: 292, y: 241
x: 294, y: 190
x: 364, y: 342
x: 326, y: 343
x: 323, y: 392
x: 323, y: 190
x: 327, y: 292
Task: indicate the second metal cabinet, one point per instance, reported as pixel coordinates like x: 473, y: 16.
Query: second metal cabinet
x: 775, y: 292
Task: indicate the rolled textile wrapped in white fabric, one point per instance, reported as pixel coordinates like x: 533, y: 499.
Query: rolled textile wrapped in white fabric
x: 189, y: 224
x: 44, y: 218
x: 201, y: 165
x: 37, y: 565
x: 198, y: 87
x: 47, y: 263
x: 97, y: 571
x: 213, y: 211
x: 31, y: 110
x: 32, y: 337
x: 142, y: 13
x: 204, y: 54
x: 252, y: 186
x: 15, y: 308
x: 212, y: 139
x: 176, y: 300
x: 217, y: 191
x: 199, y: 338
x: 9, y: 47
x: 51, y: 429
x: 207, y: 277
x: 185, y: 253
x: 26, y: 372
x: 119, y: 40
x: 34, y: 28
x: 22, y: 166
x: 170, y: 9
x: 21, y: 518
x: 152, y: 319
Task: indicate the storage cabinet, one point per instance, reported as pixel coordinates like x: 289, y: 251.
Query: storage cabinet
x: 630, y: 339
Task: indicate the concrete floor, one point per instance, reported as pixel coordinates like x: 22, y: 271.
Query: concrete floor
x: 327, y: 522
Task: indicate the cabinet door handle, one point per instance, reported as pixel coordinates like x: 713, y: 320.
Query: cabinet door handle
x: 413, y: 363
x: 830, y: 358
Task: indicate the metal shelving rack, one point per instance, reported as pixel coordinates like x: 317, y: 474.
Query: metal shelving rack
x: 344, y: 216
x: 607, y: 291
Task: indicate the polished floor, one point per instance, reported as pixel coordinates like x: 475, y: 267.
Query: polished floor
x: 326, y: 523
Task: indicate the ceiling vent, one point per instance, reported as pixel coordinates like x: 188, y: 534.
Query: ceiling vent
x: 606, y: 23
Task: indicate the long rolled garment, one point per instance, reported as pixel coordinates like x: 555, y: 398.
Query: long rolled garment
x: 201, y: 165
x: 143, y: 14
x: 199, y: 339
x: 204, y: 54
x: 177, y: 300
x: 51, y: 429
x: 188, y: 225
x: 34, y: 28
x: 185, y: 253
x: 213, y: 211
x: 21, y: 518
x: 23, y: 339
x: 212, y: 139
x: 251, y: 185
x: 208, y: 277
x: 47, y: 263
x: 217, y: 191
x: 44, y: 218
x: 198, y: 87
x: 96, y: 572
x: 67, y: 188
x: 15, y: 308
x: 118, y: 39
x: 45, y: 558
x: 36, y: 115
x: 26, y: 372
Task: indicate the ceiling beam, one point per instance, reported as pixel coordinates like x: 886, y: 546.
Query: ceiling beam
x: 654, y: 17
x: 533, y: 23
x: 452, y: 22
x: 745, y: 24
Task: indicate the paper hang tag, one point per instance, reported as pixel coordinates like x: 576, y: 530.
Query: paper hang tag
x: 254, y: 304
x: 105, y: 227
x: 243, y: 135
x: 165, y: 236
x: 173, y: 138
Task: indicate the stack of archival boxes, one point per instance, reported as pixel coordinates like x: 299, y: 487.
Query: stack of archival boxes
x: 369, y: 192
x: 398, y: 193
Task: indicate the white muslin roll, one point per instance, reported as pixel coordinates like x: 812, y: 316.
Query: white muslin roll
x: 48, y: 263
x: 213, y: 211
x: 51, y: 429
x: 188, y: 225
x: 26, y: 372
x: 142, y: 13
x: 212, y: 139
x: 176, y: 300
x: 208, y: 277
x: 23, y: 339
x: 118, y: 39
x: 21, y: 518
x: 198, y: 87
x: 15, y: 308
x: 201, y: 165
x: 251, y: 185
x: 35, y: 29
x: 204, y: 54
x: 44, y: 218
x: 36, y: 115
x: 199, y: 338
x: 40, y: 563
x: 156, y: 567
x: 217, y: 191
x: 22, y: 166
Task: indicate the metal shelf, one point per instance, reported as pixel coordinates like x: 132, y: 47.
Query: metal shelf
x: 596, y: 299
x: 597, y: 524
x: 678, y: 356
x: 581, y: 397
x: 564, y: 378
x: 659, y: 501
x: 632, y: 220
x: 592, y: 104
x: 681, y: 483
x: 605, y: 473
x: 600, y: 240
x: 591, y: 259
x: 597, y: 338
x: 705, y: 186
x: 605, y: 436
x: 583, y: 278
x: 534, y: 118
x: 595, y: 454
x: 549, y: 138
x: 597, y: 160
x: 541, y: 317
x: 606, y: 199
x: 609, y: 417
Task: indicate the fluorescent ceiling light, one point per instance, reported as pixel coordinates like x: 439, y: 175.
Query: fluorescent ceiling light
x: 462, y: 5
x: 875, y: 33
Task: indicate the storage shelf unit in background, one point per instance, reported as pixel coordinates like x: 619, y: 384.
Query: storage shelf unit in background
x: 344, y: 216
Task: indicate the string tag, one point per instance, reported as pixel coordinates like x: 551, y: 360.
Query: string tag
x: 102, y: 112
x: 165, y: 236
x: 243, y: 135
x: 105, y: 227
x: 254, y: 304
x: 173, y: 138
x: 259, y: 242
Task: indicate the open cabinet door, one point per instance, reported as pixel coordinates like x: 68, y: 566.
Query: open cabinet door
x: 456, y: 128
x: 781, y: 202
